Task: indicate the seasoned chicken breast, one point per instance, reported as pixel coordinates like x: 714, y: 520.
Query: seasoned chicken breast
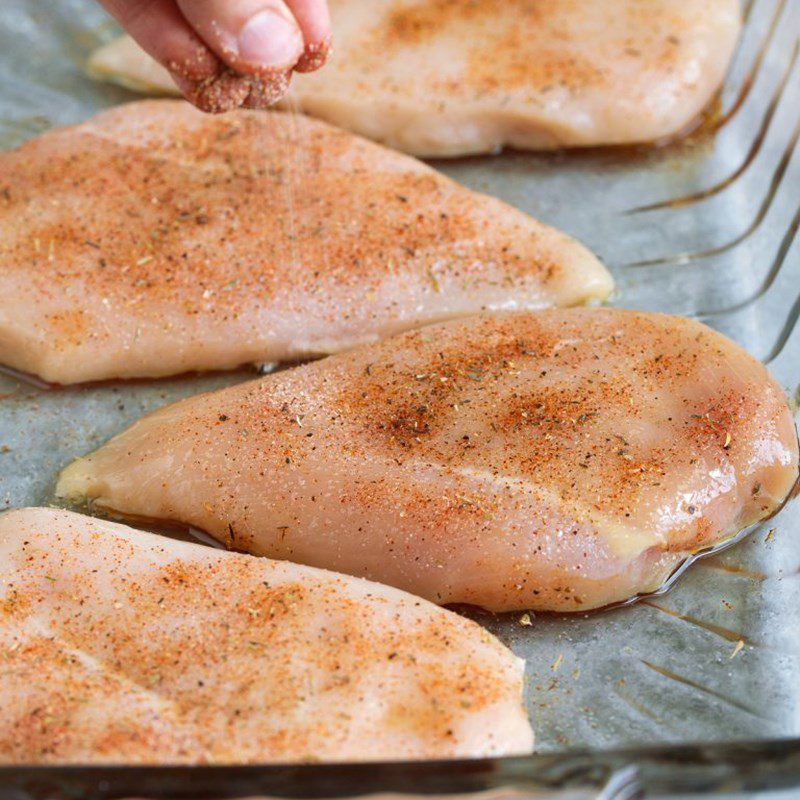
x: 561, y: 460
x: 155, y: 239
x: 450, y: 77
x: 122, y: 646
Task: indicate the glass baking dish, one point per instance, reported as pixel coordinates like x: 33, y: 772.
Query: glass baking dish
x: 706, y: 227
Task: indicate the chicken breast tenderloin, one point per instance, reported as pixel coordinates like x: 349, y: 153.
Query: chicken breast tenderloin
x: 155, y: 239
x: 453, y: 77
x: 563, y: 460
x: 121, y: 646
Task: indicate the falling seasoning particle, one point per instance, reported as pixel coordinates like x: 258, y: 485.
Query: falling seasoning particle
x: 737, y: 649
x: 557, y: 663
x: 525, y: 619
x: 727, y: 441
x: 144, y: 260
x: 770, y: 534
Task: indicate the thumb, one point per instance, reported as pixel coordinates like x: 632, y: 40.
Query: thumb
x: 251, y: 36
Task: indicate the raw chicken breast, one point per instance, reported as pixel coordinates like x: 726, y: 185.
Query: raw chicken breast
x: 560, y: 460
x: 449, y: 77
x: 122, y: 646
x: 155, y: 239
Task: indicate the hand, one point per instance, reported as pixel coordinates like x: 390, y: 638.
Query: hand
x: 224, y: 54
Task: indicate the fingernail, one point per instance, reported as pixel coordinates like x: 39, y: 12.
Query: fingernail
x: 270, y: 40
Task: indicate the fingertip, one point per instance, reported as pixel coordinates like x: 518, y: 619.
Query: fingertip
x: 228, y: 90
x: 219, y: 94
x: 266, y: 90
x: 314, y: 56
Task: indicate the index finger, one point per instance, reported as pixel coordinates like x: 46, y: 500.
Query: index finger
x: 162, y: 31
